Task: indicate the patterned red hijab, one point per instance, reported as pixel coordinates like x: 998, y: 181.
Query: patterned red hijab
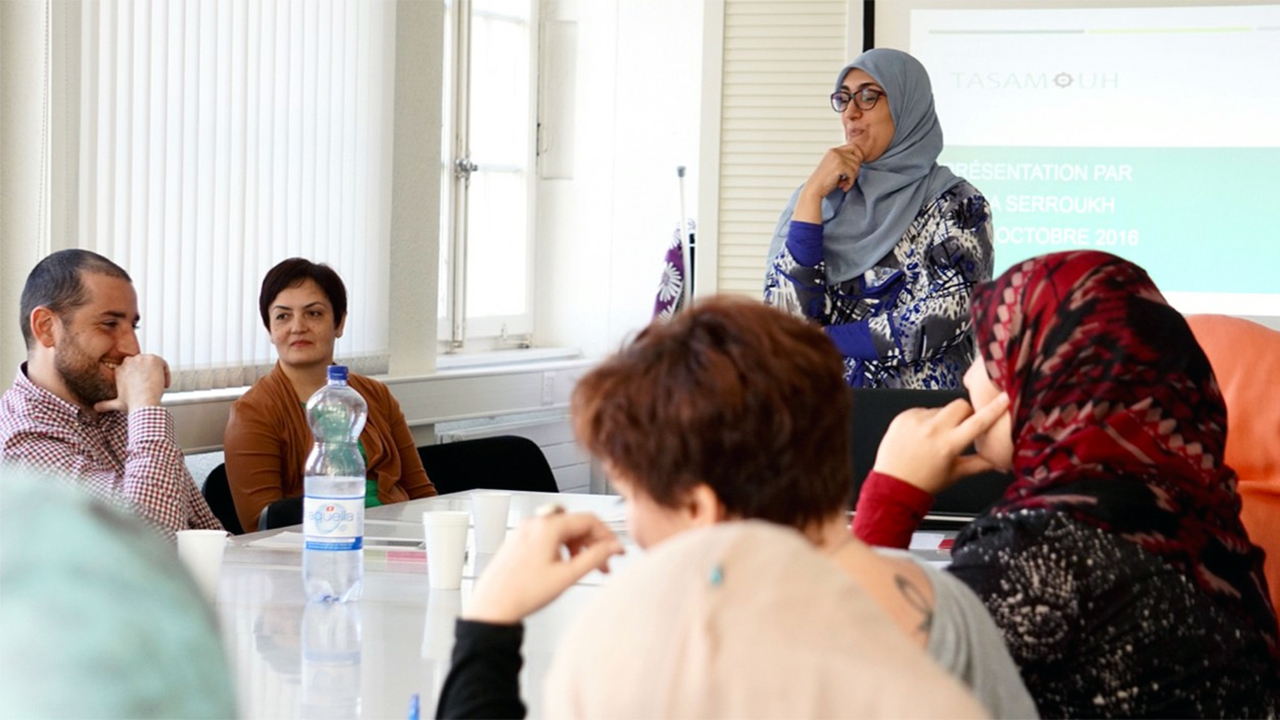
x: 1117, y: 418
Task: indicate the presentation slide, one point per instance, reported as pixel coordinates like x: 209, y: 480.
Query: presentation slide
x: 1152, y: 133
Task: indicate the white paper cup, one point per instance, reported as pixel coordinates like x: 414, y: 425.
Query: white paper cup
x: 201, y: 551
x: 489, y: 515
x: 443, y: 609
x: 446, y: 535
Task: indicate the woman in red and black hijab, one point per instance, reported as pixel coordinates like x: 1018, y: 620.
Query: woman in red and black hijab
x: 1115, y: 563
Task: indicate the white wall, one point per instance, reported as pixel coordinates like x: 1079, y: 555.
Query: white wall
x: 415, y: 173
x: 23, y: 231
x: 601, y: 235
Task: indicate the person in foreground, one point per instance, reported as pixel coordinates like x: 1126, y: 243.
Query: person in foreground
x: 1115, y: 563
x: 733, y: 410
x: 1246, y: 360
x: 739, y: 620
x: 267, y: 440
x: 86, y: 403
x: 881, y: 245
x: 98, y: 616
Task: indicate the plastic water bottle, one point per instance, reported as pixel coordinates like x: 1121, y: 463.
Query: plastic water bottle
x: 331, y: 661
x: 333, y: 510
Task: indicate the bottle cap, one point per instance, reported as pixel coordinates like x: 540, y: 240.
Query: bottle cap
x: 338, y: 372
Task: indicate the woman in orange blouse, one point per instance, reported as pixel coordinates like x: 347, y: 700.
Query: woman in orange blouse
x: 267, y: 440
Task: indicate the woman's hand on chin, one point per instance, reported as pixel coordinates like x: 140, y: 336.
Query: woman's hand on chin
x: 925, y: 446
x: 838, y: 167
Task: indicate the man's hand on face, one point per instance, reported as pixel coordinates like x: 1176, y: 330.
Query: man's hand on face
x: 140, y: 382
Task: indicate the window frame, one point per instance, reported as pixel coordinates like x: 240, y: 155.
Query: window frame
x: 458, y: 331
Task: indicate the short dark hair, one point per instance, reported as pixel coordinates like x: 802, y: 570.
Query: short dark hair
x: 56, y: 283
x: 734, y: 394
x: 292, y: 273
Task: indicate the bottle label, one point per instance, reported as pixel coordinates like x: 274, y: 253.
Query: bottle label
x: 333, y: 523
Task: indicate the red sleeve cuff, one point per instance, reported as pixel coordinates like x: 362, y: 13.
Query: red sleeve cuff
x: 889, y: 510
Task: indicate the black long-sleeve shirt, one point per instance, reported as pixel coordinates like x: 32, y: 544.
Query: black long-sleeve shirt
x: 484, y: 680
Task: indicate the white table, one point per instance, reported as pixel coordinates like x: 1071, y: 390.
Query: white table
x: 406, y: 627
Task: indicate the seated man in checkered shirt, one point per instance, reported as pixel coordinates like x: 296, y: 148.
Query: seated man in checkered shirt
x: 86, y: 404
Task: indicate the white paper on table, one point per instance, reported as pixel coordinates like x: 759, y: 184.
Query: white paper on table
x: 926, y: 541
x: 288, y: 540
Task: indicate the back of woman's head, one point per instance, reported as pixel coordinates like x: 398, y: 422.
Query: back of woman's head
x: 1117, y: 417
x: 1077, y: 330
x: 733, y: 394
x: 742, y: 620
x: 99, y: 615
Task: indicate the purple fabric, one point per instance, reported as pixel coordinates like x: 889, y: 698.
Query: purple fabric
x: 670, y: 296
x: 853, y: 340
x: 804, y: 240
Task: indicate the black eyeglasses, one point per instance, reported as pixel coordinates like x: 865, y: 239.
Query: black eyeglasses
x: 864, y: 97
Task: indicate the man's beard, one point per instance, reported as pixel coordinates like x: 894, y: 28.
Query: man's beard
x: 82, y: 374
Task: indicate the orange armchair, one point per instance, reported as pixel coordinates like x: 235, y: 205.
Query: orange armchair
x: 1246, y: 360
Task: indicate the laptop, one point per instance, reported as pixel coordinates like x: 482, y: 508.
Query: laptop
x: 874, y: 409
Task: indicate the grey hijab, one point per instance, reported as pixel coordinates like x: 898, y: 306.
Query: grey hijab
x: 863, y: 225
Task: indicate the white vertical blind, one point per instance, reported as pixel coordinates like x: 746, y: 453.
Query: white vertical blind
x: 780, y: 61
x: 219, y: 138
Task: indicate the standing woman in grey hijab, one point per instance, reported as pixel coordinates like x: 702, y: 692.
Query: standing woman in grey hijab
x: 881, y: 245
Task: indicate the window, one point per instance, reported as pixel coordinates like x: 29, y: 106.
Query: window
x: 486, y: 259
x: 216, y: 139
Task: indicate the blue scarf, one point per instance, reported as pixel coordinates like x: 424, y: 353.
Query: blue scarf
x: 863, y: 225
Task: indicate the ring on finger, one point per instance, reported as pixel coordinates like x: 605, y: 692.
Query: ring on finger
x: 551, y: 508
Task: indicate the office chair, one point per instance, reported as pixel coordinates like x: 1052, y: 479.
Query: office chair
x: 875, y: 408
x: 281, y: 513
x: 217, y: 492
x: 506, y: 462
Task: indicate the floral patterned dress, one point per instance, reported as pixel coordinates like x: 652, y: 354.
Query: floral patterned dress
x: 908, y: 315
